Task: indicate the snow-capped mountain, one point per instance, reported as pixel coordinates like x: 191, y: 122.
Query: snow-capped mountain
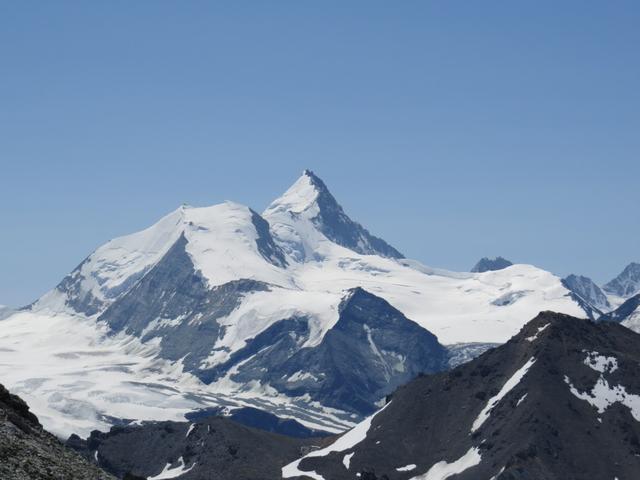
x: 588, y: 292
x: 627, y: 314
x: 222, y: 306
x: 486, y: 264
x: 559, y: 400
x: 307, y: 214
x: 626, y: 284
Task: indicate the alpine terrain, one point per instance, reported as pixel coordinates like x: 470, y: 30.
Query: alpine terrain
x: 298, y: 311
x: 560, y: 400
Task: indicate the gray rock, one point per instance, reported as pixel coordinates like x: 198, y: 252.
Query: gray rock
x: 28, y: 452
x: 486, y: 264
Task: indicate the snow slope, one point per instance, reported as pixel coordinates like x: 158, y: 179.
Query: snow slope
x: 305, y: 255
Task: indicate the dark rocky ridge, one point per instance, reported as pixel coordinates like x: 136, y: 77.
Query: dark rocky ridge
x: 486, y: 264
x: 27, y: 452
x: 548, y: 434
x: 212, y: 448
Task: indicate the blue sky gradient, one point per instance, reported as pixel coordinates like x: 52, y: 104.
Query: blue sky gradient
x: 452, y: 129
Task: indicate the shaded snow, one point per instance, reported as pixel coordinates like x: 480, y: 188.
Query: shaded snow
x: 347, y: 441
x: 443, y: 470
x: 174, y: 472
x: 600, y: 363
x: 540, y: 330
x: 506, y: 388
x: 521, y: 399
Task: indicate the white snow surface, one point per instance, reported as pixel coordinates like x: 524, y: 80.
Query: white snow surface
x: 174, y: 472
x: 443, y: 470
x: 603, y: 395
x: 600, y: 363
x: 406, y: 468
x: 346, y: 460
x: 506, y: 388
x: 74, y: 376
x: 535, y: 336
x: 347, y: 441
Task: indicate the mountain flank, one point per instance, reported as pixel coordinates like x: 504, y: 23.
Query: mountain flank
x: 560, y: 400
x: 28, y: 452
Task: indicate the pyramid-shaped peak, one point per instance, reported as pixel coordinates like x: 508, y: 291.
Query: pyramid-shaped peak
x: 303, y: 195
x: 309, y: 200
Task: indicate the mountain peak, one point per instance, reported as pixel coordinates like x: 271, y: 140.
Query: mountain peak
x: 303, y: 195
x: 627, y: 283
x: 309, y: 200
x: 587, y: 290
x: 487, y: 264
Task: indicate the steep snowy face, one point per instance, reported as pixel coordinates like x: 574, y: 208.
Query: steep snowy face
x: 308, y: 213
x: 627, y: 283
x: 587, y: 290
x: 491, y: 264
x: 225, y: 242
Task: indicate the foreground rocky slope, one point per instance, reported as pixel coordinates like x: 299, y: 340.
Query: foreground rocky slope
x: 27, y: 452
x: 560, y: 400
x: 213, y: 447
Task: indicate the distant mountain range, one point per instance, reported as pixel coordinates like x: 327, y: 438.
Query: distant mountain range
x: 616, y: 301
x: 298, y: 311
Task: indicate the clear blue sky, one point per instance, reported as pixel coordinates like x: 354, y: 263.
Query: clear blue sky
x: 452, y: 129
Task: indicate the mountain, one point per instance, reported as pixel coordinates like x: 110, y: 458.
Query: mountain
x: 27, y: 451
x: 627, y: 283
x: 308, y: 208
x: 588, y: 291
x: 627, y: 314
x: 486, y: 264
x: 559, y: 400
x: 214, y: 447
x: 222, y: 307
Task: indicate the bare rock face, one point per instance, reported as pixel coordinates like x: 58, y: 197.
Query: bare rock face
x: 27, y: 452
x: 491, y: 264
x: 559, y: 400
x: 212, y: 447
